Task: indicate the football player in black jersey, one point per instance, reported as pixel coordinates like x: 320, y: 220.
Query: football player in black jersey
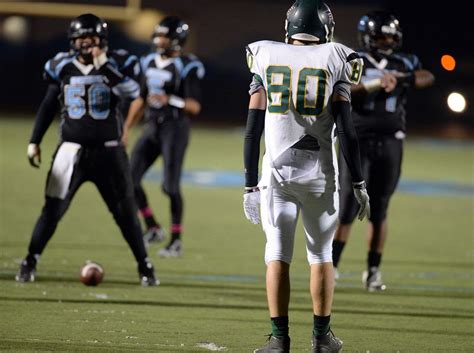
x: 169, y: 93
x: 379, y: 117
x: 87, y: 85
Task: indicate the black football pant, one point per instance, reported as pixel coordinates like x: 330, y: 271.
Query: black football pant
x: 168, y: 139
x: 381, y: 160
x: 108, y: 169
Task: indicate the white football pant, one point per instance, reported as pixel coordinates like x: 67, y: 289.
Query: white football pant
x: 280, y: 208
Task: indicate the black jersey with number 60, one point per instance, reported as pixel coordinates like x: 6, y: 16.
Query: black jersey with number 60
x: 90, y: 109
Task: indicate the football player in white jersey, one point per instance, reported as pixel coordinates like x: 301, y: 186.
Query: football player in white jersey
x: 300, y: 94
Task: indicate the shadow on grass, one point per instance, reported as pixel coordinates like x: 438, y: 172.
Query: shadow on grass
x: 262, y: 307
x: 45, y: 279
x: 409, y: 263
x: 187, y: 282
x: 137, y: 302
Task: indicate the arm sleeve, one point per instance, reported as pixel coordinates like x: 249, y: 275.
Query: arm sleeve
x: 347, y: 136
x: 143, y: 86
x: 253, y: 134
x: 46, y: 112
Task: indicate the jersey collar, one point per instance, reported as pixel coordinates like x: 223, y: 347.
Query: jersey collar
x: 162, y: 63
x: 85, y: 69
x: 381, y: 65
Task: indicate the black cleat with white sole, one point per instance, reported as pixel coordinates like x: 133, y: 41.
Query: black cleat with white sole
x: 147, y: 274
x: 27, y: 271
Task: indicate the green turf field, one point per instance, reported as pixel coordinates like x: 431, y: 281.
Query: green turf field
x: 213, y: 298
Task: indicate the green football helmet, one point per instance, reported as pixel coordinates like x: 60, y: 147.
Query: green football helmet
x: 309, y: 20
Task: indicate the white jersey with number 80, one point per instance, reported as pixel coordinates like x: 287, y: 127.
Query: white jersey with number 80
x: 299, y: 81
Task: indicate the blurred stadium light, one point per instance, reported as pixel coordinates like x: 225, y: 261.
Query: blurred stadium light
x: 15, y: 29
x: 448, y: 62
x: 456, y: 102
x: 141, y: 26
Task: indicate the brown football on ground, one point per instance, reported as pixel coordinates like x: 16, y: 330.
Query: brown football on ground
x: 91, y: 274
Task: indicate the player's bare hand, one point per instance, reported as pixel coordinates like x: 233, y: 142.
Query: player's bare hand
x: 97, y: 51
x: 34, y: 155
x: 99, y: 56
x: 388, y: 82
x: 157, y: 100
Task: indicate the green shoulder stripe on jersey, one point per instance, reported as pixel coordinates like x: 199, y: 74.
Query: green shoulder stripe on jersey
x: 258, y: 78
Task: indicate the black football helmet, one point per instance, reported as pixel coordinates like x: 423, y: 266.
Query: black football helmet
x: 375, y: 25
x: 88, y: 24
x: 174, y: 28
x: 309, y: 20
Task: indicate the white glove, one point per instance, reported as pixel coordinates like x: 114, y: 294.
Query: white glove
x: 251, y: 205
x: 34, y: 154
x: 360, y: 193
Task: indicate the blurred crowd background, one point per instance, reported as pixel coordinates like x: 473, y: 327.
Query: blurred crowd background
x: 32, y: 32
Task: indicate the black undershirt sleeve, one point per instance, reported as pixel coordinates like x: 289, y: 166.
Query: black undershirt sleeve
x: 46, y: 112
x: 143, y: 86
x: 348, y: 140
x: 253, y: 134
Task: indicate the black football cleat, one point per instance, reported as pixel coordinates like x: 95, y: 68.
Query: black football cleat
x: 27, y: 271
x: 275, y: 345
x: 326, y: 344
x: 147, y: 274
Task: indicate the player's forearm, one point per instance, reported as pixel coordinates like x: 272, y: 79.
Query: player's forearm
x: 423, y: 79
x: 347, y: 136
x: 192, y: 106
x: 135, y: 112
x: 45, y: 114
